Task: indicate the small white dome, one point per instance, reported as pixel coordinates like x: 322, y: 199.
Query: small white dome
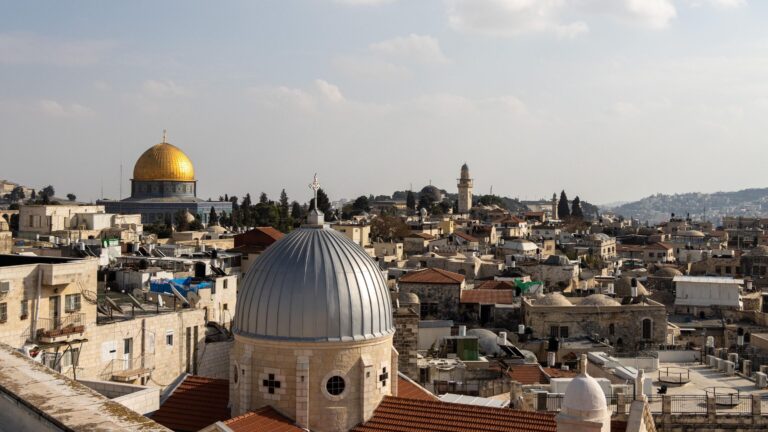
x: 585, y: 397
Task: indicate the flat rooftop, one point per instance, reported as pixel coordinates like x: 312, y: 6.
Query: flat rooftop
x: 17, y: 260
x: 702, y: 377
x: 63, y: 401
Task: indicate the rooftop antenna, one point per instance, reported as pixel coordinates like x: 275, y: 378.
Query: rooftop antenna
x: 121, y: 179
x: 165, y: 136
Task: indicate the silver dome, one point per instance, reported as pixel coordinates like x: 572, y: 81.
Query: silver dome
x: 315, y: 285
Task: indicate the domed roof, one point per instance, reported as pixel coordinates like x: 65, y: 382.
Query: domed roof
x: 164, y: 162
x: 691, y: 233
x: 584, y: 397
x: 314, y: 285
x: 553, y: 299
x: 599, y: 300
x: 431, y: 191
x: 623, y: 287
x: 408, y: 298
x: 668, y: 272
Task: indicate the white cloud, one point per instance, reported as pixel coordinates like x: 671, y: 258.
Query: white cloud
x: 414, y: 47
x: 21, y: 49
x: 513, y: 17
x: 363, y: 2
x: 719, y: 4
x: 56, y: 109
x: 328, y: 91
x: 155, y: 88
x: 370, y: 68
x: 653, y: 13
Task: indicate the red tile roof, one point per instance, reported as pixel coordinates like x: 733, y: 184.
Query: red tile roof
x: 396, y: 414
x: 265, y: 419
x: 465, y: 236
x: 408, y: 389
x: 496, y: 284
x: 421, y: 235
x: 528, y: 374
x: 259, y: 236
x: 559, y: 373
x: 195, y: 404
x: 488, y: 296
x: 432, y: 276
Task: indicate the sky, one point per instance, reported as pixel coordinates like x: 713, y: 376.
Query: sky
x: 611, y: 100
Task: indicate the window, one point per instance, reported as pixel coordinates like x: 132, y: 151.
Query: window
x: 72, y: 303
x: 70, y: 357
x: 564, y: 332
x: 169, y: 338
x: 335, y: 385
x: 24, y: 309
x: 647, y: 328
x: 611, y: 329
x: 225, y: 306
x: 3, y: 312
x: 226, y: 283
x: 727, y: 269
x: 554, y: 331
x: 428, y: 310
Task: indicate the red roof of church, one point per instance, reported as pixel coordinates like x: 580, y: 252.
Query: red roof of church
x: 396, y: 414
x: 488, y: 296
x: 432, y: 276
x: 196, y: 403
x: 495, y: 284
x: 410, y: 390
x: 265, y: 419
x: 259, y: 237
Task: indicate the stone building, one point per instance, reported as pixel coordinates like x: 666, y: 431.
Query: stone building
x: 439, y: 292
x: 163, y: 185
x: 631, y: 326
x: 76, y: 222
x: 313, y: 332
x: 754, y: 265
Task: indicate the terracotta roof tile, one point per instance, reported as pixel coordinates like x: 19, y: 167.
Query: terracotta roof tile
x: 408, y: 389
x: 421, y: 235
x: 528, y: 374
x: 432, y: 276
x: 195, y: 404
x: 259, y: 236
x: 488, y: 296
x: 396, y: 414
x: 496, y: 284
x: 265, y: 419
x: 559, y: 373
x: 466, y: 236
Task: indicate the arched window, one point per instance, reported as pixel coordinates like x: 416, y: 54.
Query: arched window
x: 647, y: 328
x: 611, y: 329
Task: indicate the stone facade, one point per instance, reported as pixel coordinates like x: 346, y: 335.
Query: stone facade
x: 622, y: 325
x: 438, y: 301
x: 406, y: 339
x: 213, y: 361
x: 293, y: 377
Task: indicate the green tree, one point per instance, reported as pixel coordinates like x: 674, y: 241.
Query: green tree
x: 563, y: 210
x: 263, y: 198
x: 17, y: 194
x: 361, y: 204
x: 323, y: 203
x: 576, y: 211
x: 284, y: 207
x: 71, y: 197
x: 491, y: 200
x: 426, y: 201
x: 213, y: 218
x: 297, y: 213
x: 388, y: 228
x: 410, y: 201
x: 266, y: 214
x: 48, y: 191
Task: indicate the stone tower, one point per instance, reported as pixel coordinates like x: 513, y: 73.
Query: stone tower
x: 554, y: 206
x: 465, y: 190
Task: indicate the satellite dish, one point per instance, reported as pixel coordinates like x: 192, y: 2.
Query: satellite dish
x: 193, y: 297
x: 135, y: 302
x: 112, y: 305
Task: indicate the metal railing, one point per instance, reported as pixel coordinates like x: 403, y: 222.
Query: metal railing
x: 674, y: 375
x: 739, y: 405
x: 125, y: 367
x: 72, y: 323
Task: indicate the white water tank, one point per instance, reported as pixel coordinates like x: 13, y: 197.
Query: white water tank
x: 730, y: 368
x: 761, y: 380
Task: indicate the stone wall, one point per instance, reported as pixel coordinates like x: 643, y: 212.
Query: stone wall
x: 213, y: 360
x: 368, y: 368
x: 406, y: 340
x: 445, y: 297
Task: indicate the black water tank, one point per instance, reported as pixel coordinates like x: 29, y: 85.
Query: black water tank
x: 554, y: 345
x: 200, y: 269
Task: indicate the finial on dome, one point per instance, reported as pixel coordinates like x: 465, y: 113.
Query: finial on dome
x: 315, y: 216
x: 165, y: 135
x: 583, y: 365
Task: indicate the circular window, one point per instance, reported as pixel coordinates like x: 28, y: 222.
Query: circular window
x: 335, y: 385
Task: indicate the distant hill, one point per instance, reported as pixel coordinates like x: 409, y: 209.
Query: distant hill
x: 710, y: 206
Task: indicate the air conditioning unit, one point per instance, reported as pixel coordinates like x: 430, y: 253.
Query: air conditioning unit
x: 5, y: 287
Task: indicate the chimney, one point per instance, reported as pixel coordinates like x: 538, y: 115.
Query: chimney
x: 462, y: 330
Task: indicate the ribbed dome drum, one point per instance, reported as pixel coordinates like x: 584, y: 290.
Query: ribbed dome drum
x: 314, y: 285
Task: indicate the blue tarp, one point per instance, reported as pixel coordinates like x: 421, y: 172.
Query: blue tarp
x: 182, y: 285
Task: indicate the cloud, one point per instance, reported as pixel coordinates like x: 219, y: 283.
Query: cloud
x: 653, y: 13
x: 363, y: 2
x: 719, y: 4
x: 154, y: 88
x: 328, y: 91
x: 322, y: 92
x: 370, y: 68
x: 510, y: 18
x: 56, y: 109
x: 30, y: 49
x: 414, y: 47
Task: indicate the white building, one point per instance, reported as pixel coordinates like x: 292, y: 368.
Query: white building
x: 701, y: 294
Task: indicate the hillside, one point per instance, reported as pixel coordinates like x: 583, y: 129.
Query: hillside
x: 710, y: 206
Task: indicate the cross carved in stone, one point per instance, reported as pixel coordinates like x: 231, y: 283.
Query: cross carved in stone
x: 271, y: 384
x: 384, y: 376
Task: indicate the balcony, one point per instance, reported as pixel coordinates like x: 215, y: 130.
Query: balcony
x: 60, y: 330
x: 130, y: 369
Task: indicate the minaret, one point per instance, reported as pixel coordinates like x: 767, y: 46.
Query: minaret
x: 465, y: 190
x: 554, y: 206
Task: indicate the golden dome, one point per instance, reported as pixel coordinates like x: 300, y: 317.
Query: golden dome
x: 164, y: 162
